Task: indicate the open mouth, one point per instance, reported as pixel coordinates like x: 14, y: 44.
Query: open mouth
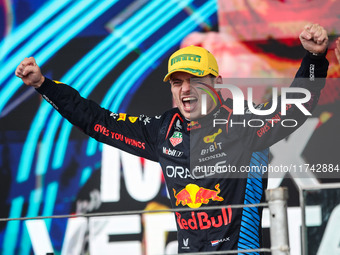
x: 189, y: 103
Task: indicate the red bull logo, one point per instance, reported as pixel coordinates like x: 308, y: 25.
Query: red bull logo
x: 201, y: 220
x: 193, y: 125
x: 194, y: 196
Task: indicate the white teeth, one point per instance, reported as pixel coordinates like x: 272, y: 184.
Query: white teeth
x: 188, y: 99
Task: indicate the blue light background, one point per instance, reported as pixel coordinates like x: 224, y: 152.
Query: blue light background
x: 44, y: 162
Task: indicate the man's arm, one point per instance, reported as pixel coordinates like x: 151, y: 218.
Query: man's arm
x: 310, y: 76
x: 136, y: 135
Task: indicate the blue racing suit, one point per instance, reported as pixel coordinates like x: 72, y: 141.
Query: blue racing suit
x: 201, y: 160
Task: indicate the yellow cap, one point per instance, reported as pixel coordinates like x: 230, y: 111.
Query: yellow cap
x: 194, y: 60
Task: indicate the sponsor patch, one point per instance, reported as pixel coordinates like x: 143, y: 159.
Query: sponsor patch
x: 194, y: 196
x: 122, y: 116
x: 176, y: 138
x: 211, y: 138
x: 193, y: 125
x: 146, y: 120
x: 133, y: 119
x: 185, y: 244
x: 216, y: 242
x: 172, y: 152
x: 201, y: 220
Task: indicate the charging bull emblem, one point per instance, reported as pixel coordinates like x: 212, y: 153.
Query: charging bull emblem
x: 194, y: 196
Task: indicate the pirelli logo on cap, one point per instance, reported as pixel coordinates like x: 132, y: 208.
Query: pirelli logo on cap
x: 193, y: 60
x: 186, y: 57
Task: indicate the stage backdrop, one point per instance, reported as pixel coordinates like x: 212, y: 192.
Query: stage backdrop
x: 115, y: 53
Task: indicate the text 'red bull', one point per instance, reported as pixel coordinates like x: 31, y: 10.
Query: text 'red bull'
x: 201, y: 220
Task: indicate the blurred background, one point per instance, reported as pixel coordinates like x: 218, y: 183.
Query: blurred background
x: 115, y: 53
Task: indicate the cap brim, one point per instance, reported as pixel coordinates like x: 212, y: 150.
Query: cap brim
x: 167, y: 77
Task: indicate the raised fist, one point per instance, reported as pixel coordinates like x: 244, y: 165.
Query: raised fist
x: 30, y: 73
x: 314, y: 38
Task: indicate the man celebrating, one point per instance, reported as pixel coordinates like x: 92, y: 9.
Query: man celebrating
x: 189, y: 145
